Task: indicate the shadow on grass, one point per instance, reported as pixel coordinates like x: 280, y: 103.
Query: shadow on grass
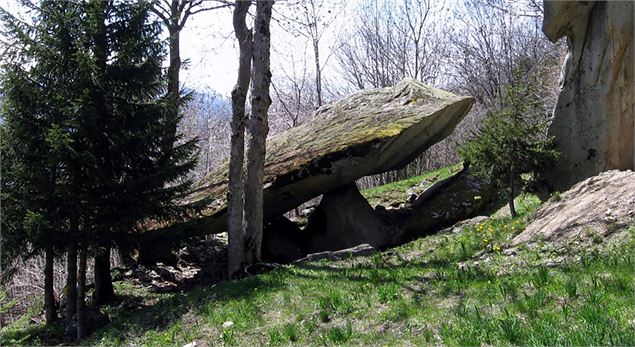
x: 130, y: 316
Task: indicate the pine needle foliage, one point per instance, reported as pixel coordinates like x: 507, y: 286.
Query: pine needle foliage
x: 512, y: 148
x: 88, y: 142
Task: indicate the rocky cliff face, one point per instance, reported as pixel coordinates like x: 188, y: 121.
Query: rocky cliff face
x: 593, y: 120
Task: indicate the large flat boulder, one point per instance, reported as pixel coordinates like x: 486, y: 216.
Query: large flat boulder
x: 593, y: 121
x: 370, y: 132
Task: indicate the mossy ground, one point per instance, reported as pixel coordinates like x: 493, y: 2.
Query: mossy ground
x: 427, y: 292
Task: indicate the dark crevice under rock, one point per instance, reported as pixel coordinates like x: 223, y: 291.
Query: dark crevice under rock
x: 344, y: 219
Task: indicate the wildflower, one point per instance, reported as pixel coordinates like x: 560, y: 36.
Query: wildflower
x: 496, y: 248
x: 477, y: 197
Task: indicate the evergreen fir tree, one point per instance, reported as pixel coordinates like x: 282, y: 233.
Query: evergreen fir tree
x: 36, y: 137
x: 135, y: 164
x: 511, y: 148
x: 92, y: 151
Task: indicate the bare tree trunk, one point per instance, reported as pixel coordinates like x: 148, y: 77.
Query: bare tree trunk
x: 258, y: 128
x: 318, y: 72
x: 81, y: 294
x: 175, y: 65
x: 71, y: 286
x: 235, y: 193
x: 512, y: 193
x: 104, y: 292
x: 49, y: 295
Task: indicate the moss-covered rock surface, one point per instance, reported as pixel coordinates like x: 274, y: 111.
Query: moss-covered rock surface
x: 370, y: 132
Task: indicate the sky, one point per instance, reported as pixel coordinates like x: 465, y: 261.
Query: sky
x: 208, y: 42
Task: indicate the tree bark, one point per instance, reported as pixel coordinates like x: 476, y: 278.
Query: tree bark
x: 318, y: 71
x: 104, y: 292
x: 235, y: 192
x: 512, y: 193
x: 49, y: 295
x: 71, y: 286
x: 175, y: 64
x: 81, y: 294
x: 258, y: 127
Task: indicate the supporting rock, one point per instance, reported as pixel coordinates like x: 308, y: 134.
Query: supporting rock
x: 283, y: 241
x: 344, y: 219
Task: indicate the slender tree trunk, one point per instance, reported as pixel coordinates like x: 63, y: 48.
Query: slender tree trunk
x: 104, y: 292
x: 49, y: 294
x: 71, y: 285
x: 174, y: 93
x: 258, y: 128
x: 235, y: 194
x: 175, y: 64
x: 318, y: 71
x: 512, y: 193
x: 81, y: 294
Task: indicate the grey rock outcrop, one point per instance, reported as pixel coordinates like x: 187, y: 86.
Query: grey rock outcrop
x: 594, y: 118
x: 593, y: 210
x: 357, y: 251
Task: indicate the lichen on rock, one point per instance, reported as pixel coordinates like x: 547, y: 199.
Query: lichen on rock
x: 369, y: 132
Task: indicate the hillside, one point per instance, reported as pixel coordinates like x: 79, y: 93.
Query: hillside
x: 459, y: 287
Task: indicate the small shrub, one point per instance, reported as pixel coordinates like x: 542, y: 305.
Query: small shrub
x: 275, y: 337
x: 229, y: 337
x: 324, y: 316
x: 339, y: 334
x: 290, y: 332
x: 541, y: 277
x: 571, y: 287
x: 388, y: 292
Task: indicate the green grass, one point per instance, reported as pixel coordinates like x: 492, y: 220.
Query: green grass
x: 397, y: 191
x: 453, y: 289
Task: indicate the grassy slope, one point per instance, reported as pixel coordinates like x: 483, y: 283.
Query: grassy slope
x: 397, y: 191
x: 421, y: 293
